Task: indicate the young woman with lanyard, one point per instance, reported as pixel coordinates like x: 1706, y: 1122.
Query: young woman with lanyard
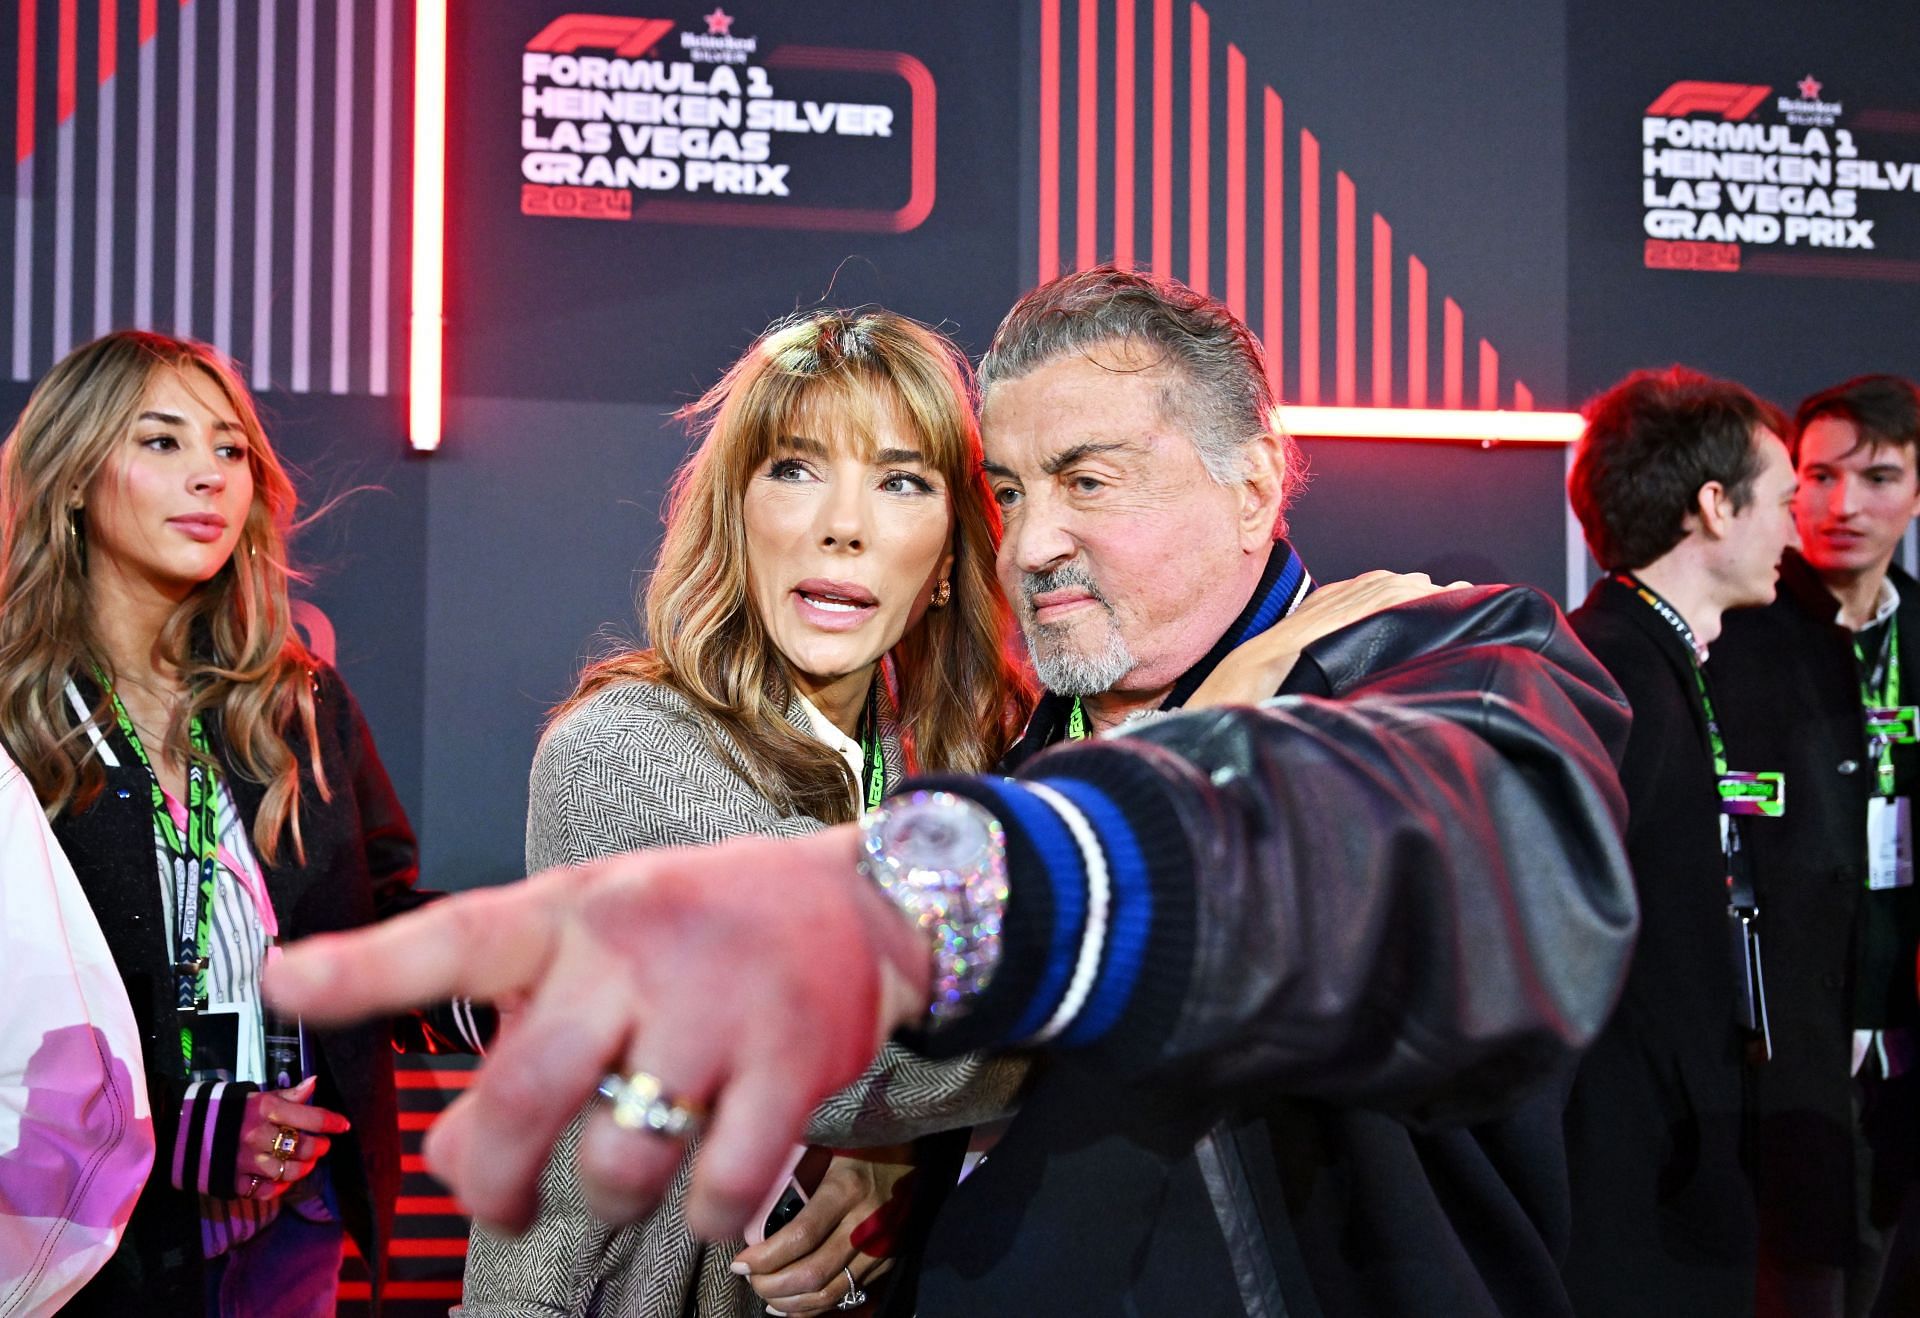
x: 823, y: 616
x: 216, y: 789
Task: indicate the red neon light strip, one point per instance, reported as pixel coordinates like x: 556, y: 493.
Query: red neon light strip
x: 109, y: 38
x: 1309, y: 268
x: 67, y: 94
x: 403, y: 1290
x: 425, y: 1205
x: 1417, y: 330
x: 1086, y: 207
x: 1199, y: 153
x: 1382, y: 312
x: 1489, y: 377
x: 1236, y: 182
x: 1522, y: 397
x: 1049, y: 139
x: 1123, y: 112
x: 1345, y: 330
x: 1452, y: 351
x: 1272, y: 268
x: 426, y: 351
x: 23, y: 102
x: 1426, y: 423
x: 427, y: 1247
x: 1163, y: 137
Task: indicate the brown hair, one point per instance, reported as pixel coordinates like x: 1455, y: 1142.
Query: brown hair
x: 961, y: 696
x: 231, y: 639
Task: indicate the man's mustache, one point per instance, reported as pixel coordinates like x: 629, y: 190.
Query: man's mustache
x: 1072, y: 574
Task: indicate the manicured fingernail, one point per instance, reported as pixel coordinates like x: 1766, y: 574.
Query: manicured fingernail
x: 777, y: 1313
x: 739, y: 1269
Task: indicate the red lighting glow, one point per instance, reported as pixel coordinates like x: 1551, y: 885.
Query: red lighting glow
x: 1431, y: 423
x: 425, y: 369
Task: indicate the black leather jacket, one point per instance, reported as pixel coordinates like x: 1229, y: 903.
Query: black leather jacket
x: 1387, y: 914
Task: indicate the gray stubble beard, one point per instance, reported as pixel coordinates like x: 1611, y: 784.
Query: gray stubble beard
x: 1063, y: 669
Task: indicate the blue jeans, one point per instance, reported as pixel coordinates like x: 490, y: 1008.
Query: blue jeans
x: 289, y: 1270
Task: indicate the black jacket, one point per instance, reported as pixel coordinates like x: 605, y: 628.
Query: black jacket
x: 360, y: 866
x: 1384, y: 916
x: 1656, y: 1123
x: 1838, y: 957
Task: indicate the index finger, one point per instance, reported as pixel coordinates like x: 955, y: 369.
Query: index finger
x: 480, y: 944
x: 303, y: 1116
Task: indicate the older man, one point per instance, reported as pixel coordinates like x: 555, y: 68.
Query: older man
x: 1282, y: 956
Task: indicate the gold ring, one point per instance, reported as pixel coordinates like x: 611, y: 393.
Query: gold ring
x: 280, y: 1172
x: 640, y: 1102
x: 286, y: 1143
x: 253, y: 1184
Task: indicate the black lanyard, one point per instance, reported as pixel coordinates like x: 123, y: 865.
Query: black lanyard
x: 873, y: 762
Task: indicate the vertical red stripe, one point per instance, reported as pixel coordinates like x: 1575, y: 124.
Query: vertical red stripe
x: 1199, y: 152
x: 23, y: 99
x: 1522, y: 397
x: 1346, y: 331
x: 1163, y: 137
x: 1272, y: 269
x: 1123, y: 110
x: 1417, y: 330
x: 1086, y: 206
x: 1489, y: 377
x: 109, y: 38
x: 1452, y: 353
x: 1236, y: 182
x: 67, y: 95
x: 1049, y: 139
x: 1382, y: 312
x: 149, y: 20
x: 1309, y: 268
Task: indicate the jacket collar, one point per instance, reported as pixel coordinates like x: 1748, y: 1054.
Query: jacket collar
x: 1284, y: 581
x: 1609, y: 595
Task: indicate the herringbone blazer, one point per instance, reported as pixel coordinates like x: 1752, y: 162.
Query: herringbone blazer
x: 633, y: 766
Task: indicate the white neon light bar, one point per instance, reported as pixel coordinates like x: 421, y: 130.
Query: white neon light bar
x: 1437, y: 423
x: 425, y: 367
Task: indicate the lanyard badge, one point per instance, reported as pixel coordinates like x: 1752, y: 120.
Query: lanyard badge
x: 1753, y: 793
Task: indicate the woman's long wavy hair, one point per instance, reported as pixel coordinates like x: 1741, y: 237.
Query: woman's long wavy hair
x: 961, y: 696
x: 231, y: 639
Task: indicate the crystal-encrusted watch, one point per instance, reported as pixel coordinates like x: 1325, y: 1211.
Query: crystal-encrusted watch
x: 942, y: 859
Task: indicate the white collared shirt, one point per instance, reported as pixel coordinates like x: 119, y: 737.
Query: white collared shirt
x: 829, y: 734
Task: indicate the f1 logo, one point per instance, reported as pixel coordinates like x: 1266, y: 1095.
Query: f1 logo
x: 1731, y: 100
x: 627, y: 38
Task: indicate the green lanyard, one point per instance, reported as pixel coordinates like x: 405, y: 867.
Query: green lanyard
x: 1077, y: 721
x: 1741, y: 793
x: 196, y: 853
x: 873, y: 763
x: 1887, y: 722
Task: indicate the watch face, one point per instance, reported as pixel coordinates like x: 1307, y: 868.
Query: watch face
x: 927, y: 836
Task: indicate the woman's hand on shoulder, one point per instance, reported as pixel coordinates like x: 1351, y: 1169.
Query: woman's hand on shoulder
x: 1255, y: 670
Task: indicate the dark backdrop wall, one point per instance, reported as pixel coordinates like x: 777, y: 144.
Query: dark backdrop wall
x: 1493, y: 204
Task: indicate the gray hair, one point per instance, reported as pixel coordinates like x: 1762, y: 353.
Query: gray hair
x: 1218, y: 385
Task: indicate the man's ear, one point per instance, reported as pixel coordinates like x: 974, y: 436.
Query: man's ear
x: 1712, y: 510
x: 1261, y: 491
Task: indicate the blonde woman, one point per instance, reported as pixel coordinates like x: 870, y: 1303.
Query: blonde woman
x: 824, y: 619
x: 216, y: 789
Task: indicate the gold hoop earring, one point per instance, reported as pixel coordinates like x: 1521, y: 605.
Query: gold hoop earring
x: 75, y: 539
x: 942, y: 593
